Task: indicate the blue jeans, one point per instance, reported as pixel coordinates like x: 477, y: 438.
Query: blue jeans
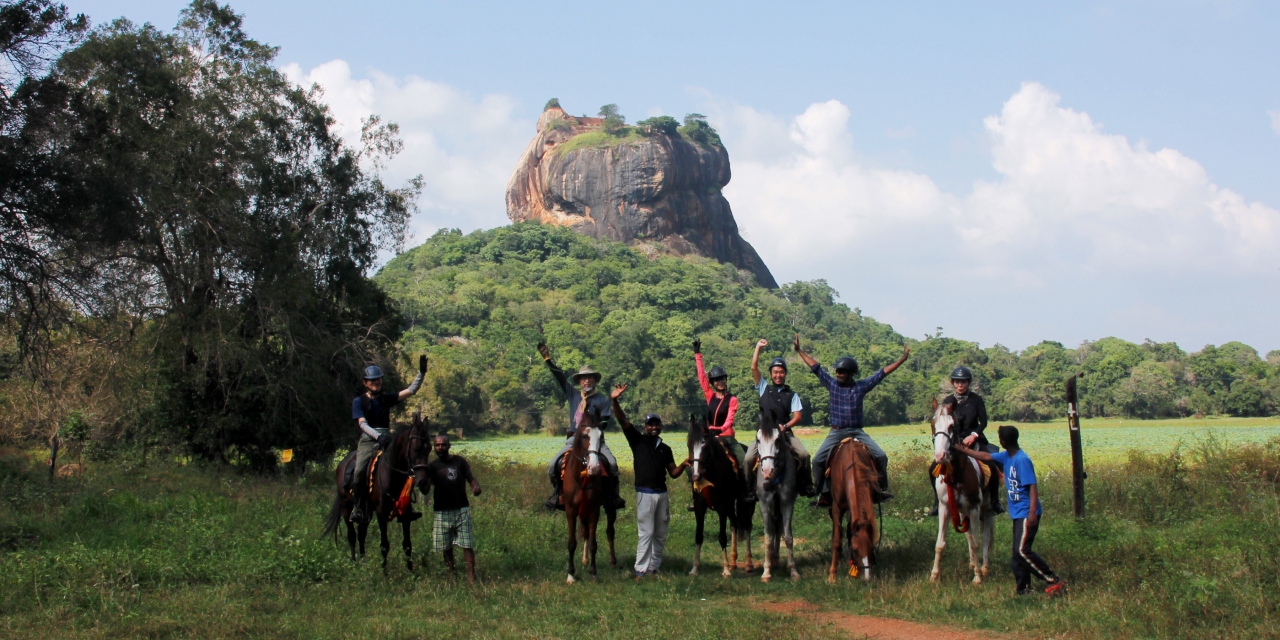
x: 834, y: 437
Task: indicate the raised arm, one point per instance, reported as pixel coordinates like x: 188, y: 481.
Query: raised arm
x: 561, y: 379
x: 702, y: 372
x: 808, y: 360
x: 417, y: 381
x: 617, y: 408
x: 755, y: 360
x: 893, y: 366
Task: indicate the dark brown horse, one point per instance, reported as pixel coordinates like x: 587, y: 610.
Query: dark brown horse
x: 718, y: 485
x: 963, y: 495
x: 853, y: 474
x: 584, y: 487
x: 406, y: 459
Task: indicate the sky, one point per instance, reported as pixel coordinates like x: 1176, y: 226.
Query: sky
x: 1009, y: 172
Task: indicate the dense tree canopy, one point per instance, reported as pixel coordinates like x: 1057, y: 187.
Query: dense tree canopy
x: 481, y: 302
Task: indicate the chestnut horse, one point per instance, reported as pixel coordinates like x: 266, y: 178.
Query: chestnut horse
x: 718, y: 485
x: 853, y: 475
x: 962, y: 496
x: 584, y: 488
x: 406, y: 459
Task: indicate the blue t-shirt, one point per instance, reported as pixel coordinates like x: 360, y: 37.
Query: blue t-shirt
x: 1019, y: 475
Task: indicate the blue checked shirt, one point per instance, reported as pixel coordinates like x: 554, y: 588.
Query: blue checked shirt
x: 846, y: 402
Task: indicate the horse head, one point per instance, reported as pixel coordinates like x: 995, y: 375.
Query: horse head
x: 588, y: 438
x: 942, y: 422
x: 698, y: 438
x: 769, y: 448
x: 419, y: 448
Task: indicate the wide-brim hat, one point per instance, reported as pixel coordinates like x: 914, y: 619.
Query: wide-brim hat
x: 583, y: 372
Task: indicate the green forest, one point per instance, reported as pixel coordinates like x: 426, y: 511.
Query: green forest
x: 480, y: 302
x: 188, y: 254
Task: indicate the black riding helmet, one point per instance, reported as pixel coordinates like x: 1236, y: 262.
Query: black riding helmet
x: 847, y: 363
x: 779, y: 362
x: 717, y: 372
x: 961, y: 373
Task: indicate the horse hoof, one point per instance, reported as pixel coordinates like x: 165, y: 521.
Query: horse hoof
x: 831, y: 578
x: 984, y: 572
x: 766, y: 578
x: 694, y: 571
x: 933, y: 577
x: 795, y: 576
x: 977, y: 579
x: 591, y: 577
x: 726, y: 574
x: 570, y: 580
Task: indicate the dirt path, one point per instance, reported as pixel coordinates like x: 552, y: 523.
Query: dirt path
x: 872, y: 627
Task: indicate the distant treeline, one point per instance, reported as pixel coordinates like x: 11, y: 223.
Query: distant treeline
x: 480, y: 302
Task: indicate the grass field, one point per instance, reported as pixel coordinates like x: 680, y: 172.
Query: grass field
x: 1176, y: 545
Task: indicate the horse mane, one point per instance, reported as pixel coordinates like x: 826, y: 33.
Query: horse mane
x: 767, y: 426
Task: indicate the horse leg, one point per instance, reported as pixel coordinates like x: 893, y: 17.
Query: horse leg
x: 725, y: 564
x: 943, y: 513
x: 407, y: 544
x: 571, y: 516
x: 593, y: 522
x: 363, y: 533
x: 700, y: 517
x: 769, y: 536
x: 975, y: 520
x: 745, y: 513
x: 386, y: 541
x: 351, y: 536
x: 786, y: 535
x: 610, y: 516
x: 988, y: 533
x: 836, y: 517
x: 733, y: 540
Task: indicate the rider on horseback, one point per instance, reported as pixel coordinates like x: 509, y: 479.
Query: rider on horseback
x: 722, y: 406
x: 781, y: 406
x: 970, y: 417
x: 845, y: 408
x: 372, y: 413
x: 586, y: 397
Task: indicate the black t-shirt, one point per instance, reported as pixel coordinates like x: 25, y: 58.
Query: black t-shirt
x: 377, y: 410
x: 450, y: 482
x: 652, y: 458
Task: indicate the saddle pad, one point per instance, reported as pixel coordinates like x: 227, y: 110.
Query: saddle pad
x: 373, y: 466
x: 986, y: 472
x: 834, y: 451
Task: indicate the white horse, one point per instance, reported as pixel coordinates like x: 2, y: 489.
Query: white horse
x: 776, y: 492
x: 959, y: 485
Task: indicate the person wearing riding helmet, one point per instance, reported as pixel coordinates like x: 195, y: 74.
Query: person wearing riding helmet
x: 372, y: 413
x: 583, y: 394
x: 782, y: 406
x: 847, y: 394
x: 722, y: 406
x: 970, y: 416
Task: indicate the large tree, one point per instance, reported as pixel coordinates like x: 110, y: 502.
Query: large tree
x: 241, y: 228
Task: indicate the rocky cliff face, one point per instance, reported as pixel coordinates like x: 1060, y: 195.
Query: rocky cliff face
x: 659, y: 190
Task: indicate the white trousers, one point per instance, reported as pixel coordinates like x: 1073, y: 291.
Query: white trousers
x: 653, y: 515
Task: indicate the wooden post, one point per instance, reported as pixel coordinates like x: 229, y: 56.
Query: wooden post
x: 53, y: 455
x: 1077, y: 456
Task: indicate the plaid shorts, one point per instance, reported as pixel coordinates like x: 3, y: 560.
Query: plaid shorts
x: 453, y: 528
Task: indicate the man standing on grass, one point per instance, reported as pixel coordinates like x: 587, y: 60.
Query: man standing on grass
x: 1024, y: 510
x: 653, y: 462
x: 450, y: 475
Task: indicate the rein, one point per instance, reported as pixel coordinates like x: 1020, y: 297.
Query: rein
x: 960, y: 524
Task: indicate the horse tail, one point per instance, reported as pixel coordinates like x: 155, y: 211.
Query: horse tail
x: 335, y: 516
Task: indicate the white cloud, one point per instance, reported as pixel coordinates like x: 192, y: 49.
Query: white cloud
x: 463, y: 146
x: 1074, y: 212
x: 1067, y: 193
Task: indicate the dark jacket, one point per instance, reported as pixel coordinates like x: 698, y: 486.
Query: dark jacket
x: 971, y: 417
x: 598, y: 403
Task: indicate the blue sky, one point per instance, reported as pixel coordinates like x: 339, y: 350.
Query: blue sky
x: 1009, y: 171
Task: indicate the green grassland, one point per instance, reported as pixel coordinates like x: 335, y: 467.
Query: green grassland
x: 1177, y: 544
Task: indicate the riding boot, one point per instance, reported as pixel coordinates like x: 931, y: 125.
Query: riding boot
x: 750, y: 494
x: 348, y: 481
x: 805, y: 481
x: 615, y: 494
x: 553, y: 503
x: 883, y: 495
x: 359, y: 513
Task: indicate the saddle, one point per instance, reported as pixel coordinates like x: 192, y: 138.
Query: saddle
x: 834, y: 451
